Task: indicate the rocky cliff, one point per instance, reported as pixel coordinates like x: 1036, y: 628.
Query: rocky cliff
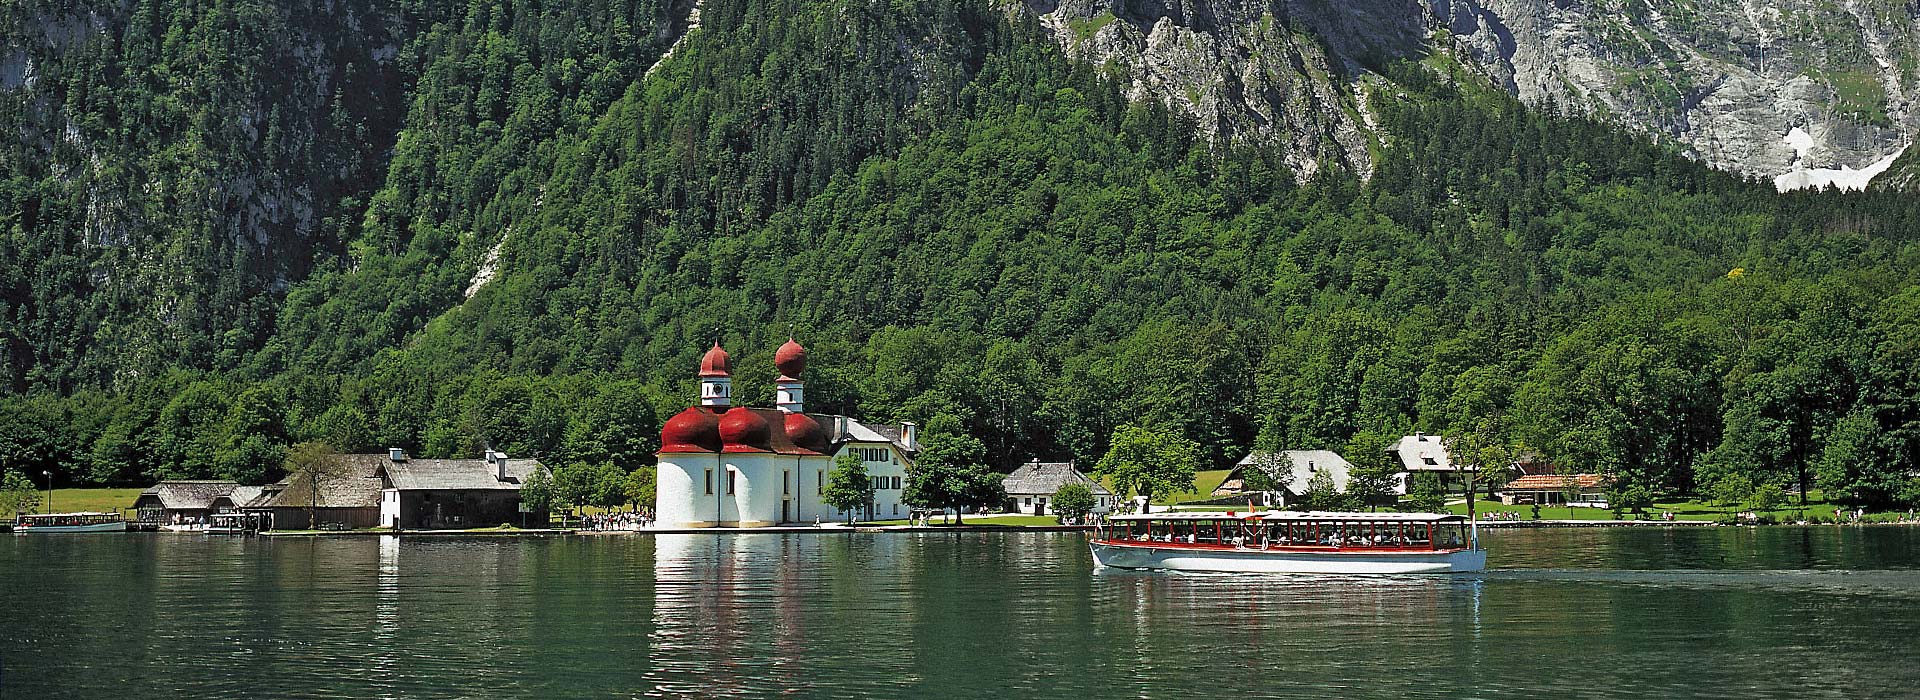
x: 1797, y: 90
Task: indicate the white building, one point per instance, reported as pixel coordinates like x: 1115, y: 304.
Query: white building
x: 1032, y: 486
x: 722, y: 465
x: 1299, y: 466
x: 1421, y: 452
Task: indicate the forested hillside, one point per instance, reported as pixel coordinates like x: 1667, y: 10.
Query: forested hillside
x: 524, y: 231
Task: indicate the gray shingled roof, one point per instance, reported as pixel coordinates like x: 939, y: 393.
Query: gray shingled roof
x: 1423, y: 453
x: 1046, y: 478
x: 847, y: 429
x: 355, y: 485
x: 457, y: 474
x: 188, y: 494
x: 241, y: 495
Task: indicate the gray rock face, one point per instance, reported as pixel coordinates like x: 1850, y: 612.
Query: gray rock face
x: 1727, y: 79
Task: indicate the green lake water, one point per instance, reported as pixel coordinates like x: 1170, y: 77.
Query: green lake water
x: 1624, y: 613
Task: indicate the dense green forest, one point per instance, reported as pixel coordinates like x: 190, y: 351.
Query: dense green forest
x: 963, y: 226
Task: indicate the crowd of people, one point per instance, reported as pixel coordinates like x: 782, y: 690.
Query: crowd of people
x: 632, y: 520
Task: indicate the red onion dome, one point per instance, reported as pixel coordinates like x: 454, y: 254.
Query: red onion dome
x: 806, y: 433
x: 790, y: 359
x: 693, y: 430
x: 714, y: 363
x: 743, y: 430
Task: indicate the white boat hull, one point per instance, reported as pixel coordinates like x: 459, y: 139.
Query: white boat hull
x: 1146, y: 556
x: 69, y: 529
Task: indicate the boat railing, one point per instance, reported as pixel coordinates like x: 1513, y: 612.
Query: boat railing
x: 1255, y: 533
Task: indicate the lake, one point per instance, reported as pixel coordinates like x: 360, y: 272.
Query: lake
x: 1588, y: 613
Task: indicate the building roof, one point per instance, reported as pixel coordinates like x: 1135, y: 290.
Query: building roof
x: 1046, y: 478
x: 1556, y: 482
x: 240, y: 496
x: 850, y: 429
x: 1421, y: 452
x: 1301, y: 465
x: 188, y: 494
x: 354, y: 484
x: 456, y: 474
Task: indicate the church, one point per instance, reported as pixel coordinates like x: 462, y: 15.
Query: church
x: 722, y: 465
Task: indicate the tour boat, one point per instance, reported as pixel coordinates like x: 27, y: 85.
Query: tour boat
x: 69, y: 522
x: 1291, y: 542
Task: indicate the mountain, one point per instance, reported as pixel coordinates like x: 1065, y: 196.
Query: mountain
x: 1762, y: 89
x: 232, y: 225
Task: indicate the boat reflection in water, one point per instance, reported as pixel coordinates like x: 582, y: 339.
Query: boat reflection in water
x: 1290, y: 542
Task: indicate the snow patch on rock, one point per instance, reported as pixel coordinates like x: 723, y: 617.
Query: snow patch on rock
x: 1845, y: 178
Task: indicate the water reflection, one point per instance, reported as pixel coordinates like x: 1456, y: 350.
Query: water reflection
x: 1589, y: 614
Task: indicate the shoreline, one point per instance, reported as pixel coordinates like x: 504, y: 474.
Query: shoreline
x: 957, y: 529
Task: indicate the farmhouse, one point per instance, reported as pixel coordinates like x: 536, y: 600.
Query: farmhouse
x: 1031, y: 487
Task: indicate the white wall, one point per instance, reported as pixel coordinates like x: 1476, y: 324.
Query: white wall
x: 681, y: 499
x: 1028, y: 503
x: 885, y: 466
x: 759, y: 491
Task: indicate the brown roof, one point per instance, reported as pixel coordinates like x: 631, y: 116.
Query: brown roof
x: 1047, y: 478
x: 1554, y: 482
x: 457, y: 474
x: 356, y: 484
x: 187, y: 494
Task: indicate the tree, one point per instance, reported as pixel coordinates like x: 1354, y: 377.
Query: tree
x: 1072, y: 503
x: 537, y: 495
x: 17, y: 494
x: 848, y: 485
x: 1370, y: 481
x: 1323, y: 494
x: 1149, y: 462
x: 309, y: 465
x: 949, y: 474
x: 608, y: 487
x: 249, y: 459
x: 1732, y: 489
x: 1266, y: 473
x: 643, y: 487
x: 573, y: 486
x: 1425, y: 494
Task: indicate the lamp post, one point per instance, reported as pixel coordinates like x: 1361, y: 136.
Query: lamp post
x: 49, y: 475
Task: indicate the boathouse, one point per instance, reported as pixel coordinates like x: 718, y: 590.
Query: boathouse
x: 346, y: 497
x: 433, y: 494
x: 186, y: 501
x: 1030, y: 488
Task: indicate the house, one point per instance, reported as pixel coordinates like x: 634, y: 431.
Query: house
x: 1299, y: 466
x: 1031, y: 487
x: 1589, y: 490
x: 187, y: 501
x: 348, y: 496
x: 1421, y: 452
x: 432, y: 494
x: 722, y: 465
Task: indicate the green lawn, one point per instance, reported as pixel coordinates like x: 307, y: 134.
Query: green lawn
x: 1203, y: 485
x: 98, y: 500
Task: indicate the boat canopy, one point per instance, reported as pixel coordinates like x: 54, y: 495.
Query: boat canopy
x: 1293, y: 516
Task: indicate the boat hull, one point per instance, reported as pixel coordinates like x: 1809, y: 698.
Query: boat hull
x: 1146, y: 556
x: 68, y: 529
